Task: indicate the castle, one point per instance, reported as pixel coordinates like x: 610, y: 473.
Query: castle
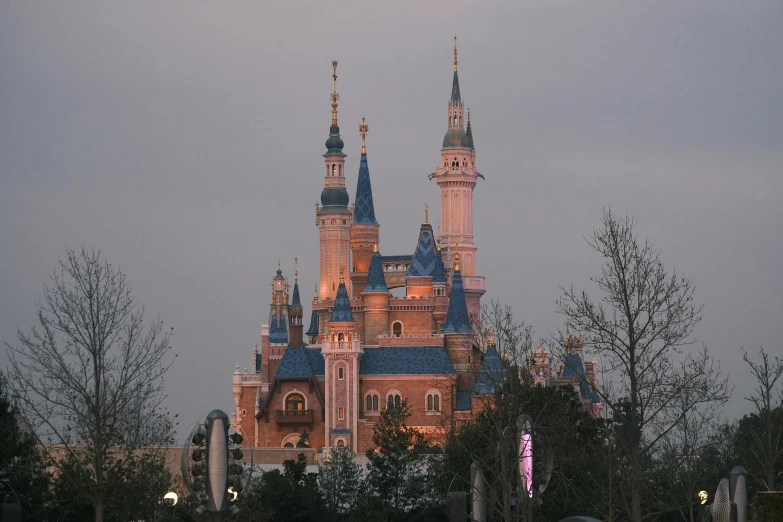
x: 365, y: 348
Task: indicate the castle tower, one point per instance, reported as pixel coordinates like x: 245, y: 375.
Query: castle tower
x: 341, y: 350
x: 376, y: 300
x: 295, y: 325
x: 456, y: 176
x: 274, y: 334
x: 365, y: 229
x: 333, y: 217
x: 458, y: 333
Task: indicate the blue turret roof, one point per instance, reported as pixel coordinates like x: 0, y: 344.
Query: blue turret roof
x: 363, y: 208
x: 314, y: 322
x: 342, y: 306
x: 469, y: 132
x: 439, y: 273
x: 376, y: 281
x: 455, y: 96
x: 425, y: 256
x: 457, y: 318
x: 296, y: 302
x: 278, y: 333
x: 574, y: 367
x: 490, y: 374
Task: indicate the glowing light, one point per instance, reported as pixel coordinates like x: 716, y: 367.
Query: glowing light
x: 233, y: 494
x: 526, y: 451
x: 171, y: 496
x: 703, y: 497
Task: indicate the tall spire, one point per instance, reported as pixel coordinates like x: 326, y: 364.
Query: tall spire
x: 334, y: 144
x: 457, y: 318
x: 364, y: 208
x: 455, y: 97
x: 376, y: 280
x: 455, y: 53
x: 336, y: 96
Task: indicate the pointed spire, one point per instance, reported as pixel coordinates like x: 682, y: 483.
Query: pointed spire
x: 314, y: 322
x: 426, y: 213
x: 376, y: 280
x: 296, y: 302
x: 455, y: 53
x: 455, y: 96
x: 342, y: 304
x: 439, y: 273
x: 334, y: 144
x: 424, y: 258
x: 336, y: 96
x: 469, y: 132
x: 364, y: 208
x: 457, y: 318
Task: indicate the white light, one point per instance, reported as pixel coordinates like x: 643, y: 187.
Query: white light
x: 233, y: 493
x: 703, y: 497
x: 171, y: 496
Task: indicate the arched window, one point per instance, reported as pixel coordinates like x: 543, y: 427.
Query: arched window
x: 397, y: 329
x: 371, y: 401
x: 340, y: 443
x: 432, y: 402
x: 394, y: 398
x: 289, y: 445
x: 294, y: 402
x: 340, y: 337
x: 334, y: 170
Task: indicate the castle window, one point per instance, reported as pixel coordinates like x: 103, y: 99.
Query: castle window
x: 394, y: 398
x: 340, y: 443
x: 341, y: 413
x: 397, y: 329
x: 340, y: 373
x: 340, y: 337
x: 294, y: 402
x: 433, y: 402
x: 371, y: 402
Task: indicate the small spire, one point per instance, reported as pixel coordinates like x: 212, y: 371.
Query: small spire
x: 255, y: 347
x: 334, y: 94
x: 296, y: 270
x: 455, y: 53
x: 426, y: 214
x: 363, y: 128
x: 468, y: 114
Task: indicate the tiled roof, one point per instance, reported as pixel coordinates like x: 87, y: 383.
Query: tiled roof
x: 363, y: 209
x: 278, y: 333
x: 463, y: 401
x: 376, y: 281
x: 342, y: 306
x: 457, y: 318
x: 396, y: 259
x: 424, y: 258
x: 490, y: 374
x: 296, y: 302
x: 574, y: 367
x: 439, y: 273
x: 313, y: 329
x: 298, y: 362
x: 405, y: 360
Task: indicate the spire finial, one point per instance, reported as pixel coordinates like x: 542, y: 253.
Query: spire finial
x: 456, y: 262
x: 342, y: 269
x: 363, y: 128
x: 296, y: 270
x: 455, y: 53
x: 334, y: 94
x: 315, y: 293
x: 468, y: 114
x: 375, y: 247
x: 426, y: 213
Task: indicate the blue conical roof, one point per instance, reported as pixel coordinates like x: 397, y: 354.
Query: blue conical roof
x: 342, y: 306
x: 425, y: 257
x: 278, y: 331
x: 457, y: 318
x: 296, y: 302
x: 439, y: 273
x: 376, y: 280
x: 455, y: 97
x: 469, y: 132
x: 490, y: 374
x: 363, y: 208
x: 314, y: 322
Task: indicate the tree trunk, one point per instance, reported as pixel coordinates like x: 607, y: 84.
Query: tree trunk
x: 99, y: 508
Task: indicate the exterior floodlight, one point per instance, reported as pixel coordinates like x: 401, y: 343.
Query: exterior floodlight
x: 232, y: 494
x: 171, y: 498
x: 703, y: 496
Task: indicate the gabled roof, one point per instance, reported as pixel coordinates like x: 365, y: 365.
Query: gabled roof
x: 278, y: 332
x: 314, y: 320
x: 376, y: 280
x: 363, y: 208
x: 405, y: 360
x: 342, y: 306
x: 457, y: 318
x: 296, y: 362
x: 490, y: 374
x: 424, y: 258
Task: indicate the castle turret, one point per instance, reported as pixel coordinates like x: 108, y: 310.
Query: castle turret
x: 376, y: 301
x: 456, y: 176
x: 312, y: 330
x: 365, y: 229
x: 457, y: 330
x: 418, y: 279
x: 295, y: 325
x: 333, y: 217
x: 274, y: 334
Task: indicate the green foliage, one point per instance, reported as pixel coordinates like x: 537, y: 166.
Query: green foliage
x: 22, y: 470
x: 134, y: 489
x: 768, y: 508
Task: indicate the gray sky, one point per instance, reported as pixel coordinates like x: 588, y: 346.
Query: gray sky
x: 184, y: 140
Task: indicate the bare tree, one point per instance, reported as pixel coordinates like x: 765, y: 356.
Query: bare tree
x: 89, y: 376
x: 642, y: 328
x: 766, y: 438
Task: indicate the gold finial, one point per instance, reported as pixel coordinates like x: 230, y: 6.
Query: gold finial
x: 334, y: 94
x: 455, y: 53
x: 296, y: 270
x: 456, y: 262
x: 491, y: 341
x: 363, y: 128
x: 375, y: 247
x: 426, y: 213
x: 342, y: 269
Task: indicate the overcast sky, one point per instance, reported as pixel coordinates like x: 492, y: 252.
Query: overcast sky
x: 184, y: 140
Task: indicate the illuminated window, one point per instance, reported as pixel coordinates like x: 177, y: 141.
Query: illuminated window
x: 340, y: 443
x: 294, y: 402
x: 340, y: 413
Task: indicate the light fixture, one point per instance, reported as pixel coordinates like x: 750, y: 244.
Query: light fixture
x: 171, y: 498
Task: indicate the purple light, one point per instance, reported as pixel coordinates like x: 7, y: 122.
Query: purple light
x: 526, y: 462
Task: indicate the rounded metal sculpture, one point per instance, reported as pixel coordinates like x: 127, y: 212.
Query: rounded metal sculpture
x: 212, y: 471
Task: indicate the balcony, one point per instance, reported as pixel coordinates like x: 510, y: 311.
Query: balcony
x: 294, y: 417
